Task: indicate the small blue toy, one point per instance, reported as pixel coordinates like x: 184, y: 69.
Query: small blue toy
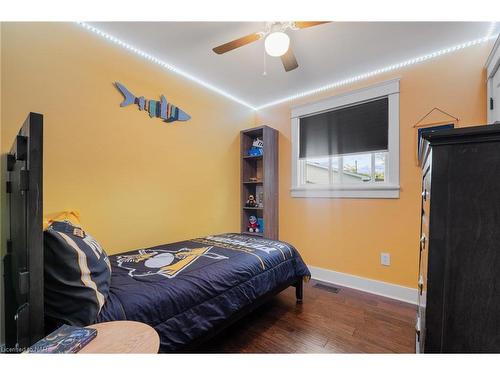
x: 257, y: 148
x: 260, y: 223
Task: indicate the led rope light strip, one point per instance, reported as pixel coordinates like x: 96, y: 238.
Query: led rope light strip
x: 372, y: 73
x: 490, y: 35
x: 164, y: 64
x: 491, y: 29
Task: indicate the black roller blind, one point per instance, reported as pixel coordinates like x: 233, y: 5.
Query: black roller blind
x: 355, y: 129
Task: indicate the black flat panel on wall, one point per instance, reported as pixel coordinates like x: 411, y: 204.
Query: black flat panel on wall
x: 354, y: 129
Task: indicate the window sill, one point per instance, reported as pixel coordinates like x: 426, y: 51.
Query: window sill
x: 352, y: 191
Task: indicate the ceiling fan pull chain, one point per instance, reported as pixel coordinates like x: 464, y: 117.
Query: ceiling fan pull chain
x: 264, y: 73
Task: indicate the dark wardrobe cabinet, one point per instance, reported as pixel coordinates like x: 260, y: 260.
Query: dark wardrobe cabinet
x: 459, y: 271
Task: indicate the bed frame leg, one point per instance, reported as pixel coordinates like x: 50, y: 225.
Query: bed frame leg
x: 299, y: 290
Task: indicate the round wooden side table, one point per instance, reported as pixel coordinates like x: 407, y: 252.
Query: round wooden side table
x: 123, y: 336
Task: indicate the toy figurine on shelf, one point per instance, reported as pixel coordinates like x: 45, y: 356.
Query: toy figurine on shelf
x: 257, y: 148
x: 259, y: 196
x: 253, y: 225
x: 251, y: 202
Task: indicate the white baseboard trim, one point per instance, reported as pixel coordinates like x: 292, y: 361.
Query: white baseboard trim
x: 381, y: 288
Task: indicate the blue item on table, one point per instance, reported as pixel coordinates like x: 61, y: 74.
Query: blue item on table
x: 65, y: 339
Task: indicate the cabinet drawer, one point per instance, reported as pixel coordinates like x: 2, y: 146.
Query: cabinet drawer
x: 418, y: 326
x: 426, y: 192
x: 420, y: 332
x: 422, y: 270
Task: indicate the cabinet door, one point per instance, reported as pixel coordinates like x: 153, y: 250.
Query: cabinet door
x: 471, y: 321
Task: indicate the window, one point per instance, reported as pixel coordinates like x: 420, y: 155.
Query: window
x: 347, y: 169
x: 348, y: 145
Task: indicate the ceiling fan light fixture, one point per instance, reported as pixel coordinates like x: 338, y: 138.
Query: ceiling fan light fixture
x: 277, y: 43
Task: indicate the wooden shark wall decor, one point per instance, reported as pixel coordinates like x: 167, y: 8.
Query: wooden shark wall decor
x: 162, y: 109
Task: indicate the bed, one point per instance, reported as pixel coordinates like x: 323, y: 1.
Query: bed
x: 188, y: 291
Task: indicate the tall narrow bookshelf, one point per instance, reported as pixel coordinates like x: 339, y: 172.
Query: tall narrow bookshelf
x: 259, y: 175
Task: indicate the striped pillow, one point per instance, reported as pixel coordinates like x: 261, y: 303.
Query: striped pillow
x: 77, y: 274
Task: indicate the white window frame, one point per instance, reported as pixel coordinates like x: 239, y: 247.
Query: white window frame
x: 387, y: 189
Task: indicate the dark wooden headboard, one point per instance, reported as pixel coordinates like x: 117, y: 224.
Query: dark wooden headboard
x: 23, y: 262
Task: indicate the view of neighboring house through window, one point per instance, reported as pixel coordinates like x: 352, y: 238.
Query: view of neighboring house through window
x: 347, y: 169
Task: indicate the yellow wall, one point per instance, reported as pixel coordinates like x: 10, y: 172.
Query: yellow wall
x: 140, y: 182
x: 137, y: 181
x: 347, y: 235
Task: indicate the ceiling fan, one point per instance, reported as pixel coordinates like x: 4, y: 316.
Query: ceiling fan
x: 276, y: 43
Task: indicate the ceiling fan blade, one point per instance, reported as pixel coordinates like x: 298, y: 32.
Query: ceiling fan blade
x: 306, y: 24
x: 237, y: 43
x: 289, y: 61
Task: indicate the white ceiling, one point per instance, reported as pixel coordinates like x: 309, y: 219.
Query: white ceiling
x: 325, y: 53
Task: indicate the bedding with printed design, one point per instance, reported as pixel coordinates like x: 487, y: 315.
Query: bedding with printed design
x: 186, y: 289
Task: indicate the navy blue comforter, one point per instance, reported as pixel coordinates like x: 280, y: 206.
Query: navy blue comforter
x: 187, y: 288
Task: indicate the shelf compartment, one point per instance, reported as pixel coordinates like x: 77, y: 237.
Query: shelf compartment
x: 253, y: 168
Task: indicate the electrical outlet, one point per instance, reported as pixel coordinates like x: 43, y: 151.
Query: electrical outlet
x: 385, y: 259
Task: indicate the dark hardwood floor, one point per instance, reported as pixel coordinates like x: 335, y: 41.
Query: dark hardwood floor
x: 348, y: 322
